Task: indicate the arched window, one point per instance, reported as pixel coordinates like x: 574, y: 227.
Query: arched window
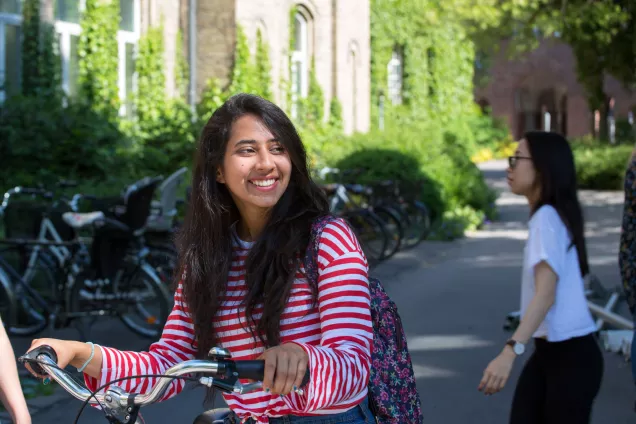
x: 299, y: 61
x: 394, y: 78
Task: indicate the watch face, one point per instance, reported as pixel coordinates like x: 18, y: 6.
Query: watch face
x: 519, y: 348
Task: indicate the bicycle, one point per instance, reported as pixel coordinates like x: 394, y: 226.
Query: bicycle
x: 378, y: 239
x: 112, y: 279
x: 413, y: 214
x: 219, y: 371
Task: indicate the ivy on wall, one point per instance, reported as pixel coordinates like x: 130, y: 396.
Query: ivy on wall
x: 263, y: 68
x: 162, y: 125
x: 98, y: 53
x: 312, y: 108
x: 30, y: 46
x: 438, y: 59
x: 182, y: 69
x: 40, y: 59
x: 243, y: 77
x: 335, y: 114
x: 151, y: 80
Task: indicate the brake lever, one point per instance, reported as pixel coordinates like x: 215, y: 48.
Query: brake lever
x: 247, y: 388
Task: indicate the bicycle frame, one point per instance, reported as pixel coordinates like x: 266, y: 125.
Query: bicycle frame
x: 61, y: 253
x: 13, y: 280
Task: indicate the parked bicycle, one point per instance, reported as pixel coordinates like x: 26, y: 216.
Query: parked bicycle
x: 54, y: 277
x: 384, y: 219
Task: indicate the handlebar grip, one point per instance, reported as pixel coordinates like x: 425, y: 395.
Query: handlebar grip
x: 251, y: 370
x: 255, y: 370
x: 32, y: 356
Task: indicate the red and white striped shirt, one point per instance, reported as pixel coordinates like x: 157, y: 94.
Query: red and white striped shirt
x: 337, y: 335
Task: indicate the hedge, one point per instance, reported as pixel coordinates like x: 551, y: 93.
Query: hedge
x: 601, y: 167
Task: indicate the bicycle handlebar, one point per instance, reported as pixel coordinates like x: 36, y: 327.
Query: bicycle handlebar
x: 23, y: 190
x: 225, y: 376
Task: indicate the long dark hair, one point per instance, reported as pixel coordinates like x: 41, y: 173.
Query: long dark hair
x: 205, y: 240
x: 556, y: 173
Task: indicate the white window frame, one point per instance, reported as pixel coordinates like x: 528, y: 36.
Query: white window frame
x: 300, y: 63
x: 395, y: 73
x: 123, y: 38
x: 6, y: 19
x: 67, y: 29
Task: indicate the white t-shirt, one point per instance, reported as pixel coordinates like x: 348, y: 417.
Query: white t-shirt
x: 549, y: 240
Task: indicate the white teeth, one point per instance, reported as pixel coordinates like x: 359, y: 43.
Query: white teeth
x: 263, y: 183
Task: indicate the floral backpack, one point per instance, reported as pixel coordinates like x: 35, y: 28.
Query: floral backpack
x: 393, y: 396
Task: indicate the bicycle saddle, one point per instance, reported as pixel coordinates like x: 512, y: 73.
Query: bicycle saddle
x: 82, y: 220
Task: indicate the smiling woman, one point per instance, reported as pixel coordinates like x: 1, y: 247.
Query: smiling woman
x: 244, y: 287
x: 255, y: 170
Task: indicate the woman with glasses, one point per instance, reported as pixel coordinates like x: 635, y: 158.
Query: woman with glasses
x: 562, y: 377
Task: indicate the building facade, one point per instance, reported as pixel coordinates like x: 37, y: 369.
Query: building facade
x: 540, y: 90
x: 335, y: 34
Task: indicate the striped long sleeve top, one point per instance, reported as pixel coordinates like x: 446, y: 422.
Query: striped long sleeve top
x: 337, y: 335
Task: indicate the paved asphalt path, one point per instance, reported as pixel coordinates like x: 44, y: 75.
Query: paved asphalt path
x: 453, y: 298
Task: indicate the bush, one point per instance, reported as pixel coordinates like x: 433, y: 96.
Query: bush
x: 384, y: 164
x: 45, y: 140
x: 455, y: 222
x: 601, y: 167
x: 451, y: 180
x: 164, y: 143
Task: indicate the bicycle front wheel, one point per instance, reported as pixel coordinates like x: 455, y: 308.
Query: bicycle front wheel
x: 371, y: 233
x: 148, y: 302
x: 391, y: 220
x: 30, y: 307
x: 419, y: 223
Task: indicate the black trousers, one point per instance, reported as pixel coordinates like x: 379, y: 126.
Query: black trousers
x: 559, y: 383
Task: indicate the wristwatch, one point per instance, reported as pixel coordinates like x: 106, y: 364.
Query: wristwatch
x: 517, y: 347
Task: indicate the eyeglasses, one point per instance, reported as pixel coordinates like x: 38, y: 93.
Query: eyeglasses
x: 512, y: 160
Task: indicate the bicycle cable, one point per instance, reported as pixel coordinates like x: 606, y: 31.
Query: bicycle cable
x: 117, y: 380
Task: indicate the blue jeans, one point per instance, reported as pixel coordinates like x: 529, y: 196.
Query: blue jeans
x: 361, y: 414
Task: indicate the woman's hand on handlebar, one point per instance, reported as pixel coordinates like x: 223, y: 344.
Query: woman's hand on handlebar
x: 66, y: 352
x: 285, y: 368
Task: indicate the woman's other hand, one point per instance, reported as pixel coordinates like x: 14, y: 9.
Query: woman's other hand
x: 285, y: 368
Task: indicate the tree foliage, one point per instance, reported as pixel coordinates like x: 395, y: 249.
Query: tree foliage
x: 601, y: 33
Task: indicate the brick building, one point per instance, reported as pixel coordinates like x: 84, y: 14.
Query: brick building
x: 335, y: 33
x: 544, y: 80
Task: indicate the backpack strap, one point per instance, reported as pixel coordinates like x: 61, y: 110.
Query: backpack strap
x: 313, y: 247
